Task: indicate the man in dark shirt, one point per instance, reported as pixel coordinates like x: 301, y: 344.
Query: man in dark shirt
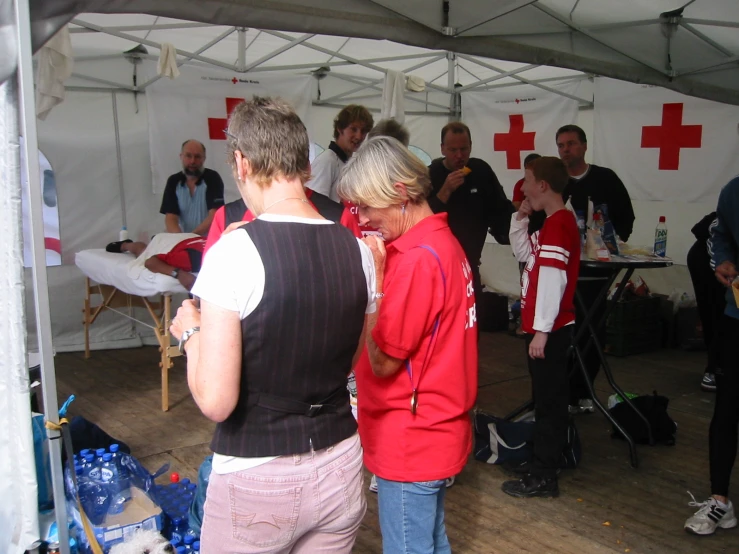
x: 192, y: 196
x: 469, y: 191
x: 602, y: 186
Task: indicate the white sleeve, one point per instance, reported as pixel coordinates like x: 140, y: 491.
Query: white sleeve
x: 322, y: 172
x: 519, y: 237
x: 368, y: 266
x: 551, y: 288
x: 232, y: 276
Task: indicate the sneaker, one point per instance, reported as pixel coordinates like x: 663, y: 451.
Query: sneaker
x: 373, y: 484
x: 584, y: 405
x: 450, y: 481
x: 531, y: 486
x: 709, y: 516
x: 708, y: 383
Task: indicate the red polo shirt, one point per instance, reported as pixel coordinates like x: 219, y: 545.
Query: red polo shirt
x: 350, y: 220
x: 435, y: 442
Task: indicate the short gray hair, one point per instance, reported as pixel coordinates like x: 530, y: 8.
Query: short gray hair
x: 390, y: 128
x: 369, y: 177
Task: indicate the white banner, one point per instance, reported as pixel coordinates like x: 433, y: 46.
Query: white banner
x: 665, y: 146
x: 507, y: 125
x: 197, y: 104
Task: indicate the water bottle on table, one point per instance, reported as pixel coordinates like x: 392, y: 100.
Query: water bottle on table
x: 660, y: 238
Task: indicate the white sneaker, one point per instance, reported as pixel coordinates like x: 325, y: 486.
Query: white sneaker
x: 450, y: 481
x: 373, y: 484
x: 709, y: 516
x: 584, y: 405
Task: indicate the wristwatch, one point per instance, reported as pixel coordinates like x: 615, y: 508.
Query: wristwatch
x: 175, y: 273
x: 186, y: 336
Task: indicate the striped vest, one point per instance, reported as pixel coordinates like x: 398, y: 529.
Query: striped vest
x: 298, y: 343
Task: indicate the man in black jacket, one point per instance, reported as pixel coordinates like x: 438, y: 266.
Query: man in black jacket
x: 469, y: 191
x: 602, y: 186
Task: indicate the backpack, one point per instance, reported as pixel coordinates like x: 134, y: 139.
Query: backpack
x: 654, y: 408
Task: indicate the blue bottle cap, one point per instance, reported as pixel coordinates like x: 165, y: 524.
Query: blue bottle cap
x: 114, y: 447
x: 181, y: 550
x: 177, y: 521
x: 185, y: 481
x: 84, y: 452
x: 196, y: 545
x: 175, y: 543
x: 107, y: 457
x: 192, y: 487
x: 189, y: 539
x: 99, y: 452
x: 89, y: 457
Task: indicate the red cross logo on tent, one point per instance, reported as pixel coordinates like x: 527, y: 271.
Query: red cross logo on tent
x: 514, y: 141
x: 671, y: 136
x: 216, y: 125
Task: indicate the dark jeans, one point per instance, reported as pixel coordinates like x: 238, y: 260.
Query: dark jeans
x: 589, y: 290
x: 722, y: 435
x: 550, y: 392
x: 711, y: 300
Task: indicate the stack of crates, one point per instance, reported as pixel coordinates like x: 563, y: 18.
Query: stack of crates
x: 634, y: 326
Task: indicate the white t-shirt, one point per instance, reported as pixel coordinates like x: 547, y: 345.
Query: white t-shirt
x: 325, y: 171
x: 232, y: 277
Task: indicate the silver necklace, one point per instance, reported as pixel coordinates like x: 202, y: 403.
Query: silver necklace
x: 283, y: 200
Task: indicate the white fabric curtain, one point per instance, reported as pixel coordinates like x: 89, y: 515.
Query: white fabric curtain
x: 18, y: 488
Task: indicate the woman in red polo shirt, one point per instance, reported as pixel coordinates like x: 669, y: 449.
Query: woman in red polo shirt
x: 418, y: 371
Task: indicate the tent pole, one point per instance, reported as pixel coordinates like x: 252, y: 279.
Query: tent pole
x: 241, y: 52
x: 39, y: 276
x: 116, y: 130
x: 454, y: 104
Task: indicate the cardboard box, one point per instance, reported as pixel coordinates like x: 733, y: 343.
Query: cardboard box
x: 141, y: 512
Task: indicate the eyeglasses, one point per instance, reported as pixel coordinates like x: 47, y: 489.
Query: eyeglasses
x: 225, y: 132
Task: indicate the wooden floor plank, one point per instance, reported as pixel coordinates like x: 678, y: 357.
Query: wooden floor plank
x: 645, y: 507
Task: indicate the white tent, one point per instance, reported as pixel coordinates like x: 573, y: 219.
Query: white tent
x: 97, y: 140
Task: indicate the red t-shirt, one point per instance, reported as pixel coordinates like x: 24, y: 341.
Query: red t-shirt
x: 556, y: 244
x: 435, y: 442
x: 186, y: 255
x: 350, y: 220
x: 518, y: 195
x: 218, y: 225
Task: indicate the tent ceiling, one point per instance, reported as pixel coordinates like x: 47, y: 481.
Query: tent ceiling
x: 695, y: 52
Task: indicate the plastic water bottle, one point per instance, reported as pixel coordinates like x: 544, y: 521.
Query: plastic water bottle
x: 97, y: 465
x: 123, y: 234
x: 179, y: 527
x: 111, y: 479
x: 123, y: 476
x: 660, y: 238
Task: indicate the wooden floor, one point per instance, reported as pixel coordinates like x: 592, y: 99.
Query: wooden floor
x: 605, y: 505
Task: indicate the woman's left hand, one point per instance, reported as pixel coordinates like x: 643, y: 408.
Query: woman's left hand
x: 538, y: 345
x: 188, y: 316
x: 377, y: 246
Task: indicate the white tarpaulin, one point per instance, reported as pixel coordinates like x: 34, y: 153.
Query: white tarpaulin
x: 506, y: 126
x: 196, y: 106
x: 664, y: 145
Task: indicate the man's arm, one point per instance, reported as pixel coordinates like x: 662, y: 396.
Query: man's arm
x: 155, y: 265
x: 499, y: 208
x: 722, y: 245
x: 172, y: 223
x: 442, y: 187
x: 204, y: 226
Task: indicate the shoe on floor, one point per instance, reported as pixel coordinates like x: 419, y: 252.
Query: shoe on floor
x: 450, y: 481
x: 531, y: 486
x: 115, y: 247
x: 584, y: 405
x: 709, y: 516
x: 373, y: 484
x: 708, y: 383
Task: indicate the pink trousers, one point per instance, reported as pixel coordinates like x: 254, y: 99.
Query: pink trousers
x: 303, y: 503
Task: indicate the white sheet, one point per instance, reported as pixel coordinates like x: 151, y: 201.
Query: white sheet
x: 113, y: 269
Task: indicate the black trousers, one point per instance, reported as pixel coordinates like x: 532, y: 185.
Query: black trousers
x: 589, y: 290
x: 722, y: 435
x: 550, y: 391
x: 711, y: 300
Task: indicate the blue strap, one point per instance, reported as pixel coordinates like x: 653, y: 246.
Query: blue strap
x: 432, y: 342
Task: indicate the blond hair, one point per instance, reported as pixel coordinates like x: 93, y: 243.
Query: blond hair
x: 271, y: 137
x: 369, y: 178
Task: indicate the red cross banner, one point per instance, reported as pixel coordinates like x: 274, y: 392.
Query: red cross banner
x: 508, y: 124
x: 197, y: 104
x: 665, y: 146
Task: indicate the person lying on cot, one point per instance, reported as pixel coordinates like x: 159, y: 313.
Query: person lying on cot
x: 178, y: 255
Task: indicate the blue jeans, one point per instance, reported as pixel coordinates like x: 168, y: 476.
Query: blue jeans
x: 412, y: 517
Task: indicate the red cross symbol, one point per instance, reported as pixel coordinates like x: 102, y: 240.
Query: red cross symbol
x: 216, y: 125
x: 514, y: 141
x: 671, y: 136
